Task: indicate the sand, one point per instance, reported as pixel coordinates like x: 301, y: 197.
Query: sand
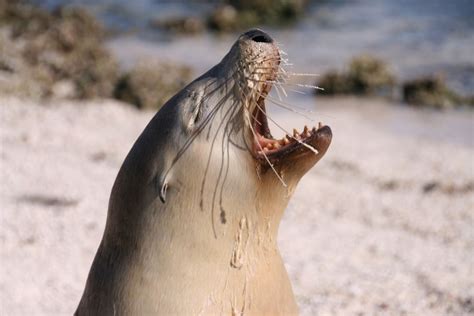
x: 384, y: 224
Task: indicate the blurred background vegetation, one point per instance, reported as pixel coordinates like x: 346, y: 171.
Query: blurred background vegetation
x: 401, y: 51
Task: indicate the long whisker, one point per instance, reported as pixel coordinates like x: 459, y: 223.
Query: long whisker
x: 281, y: 70
x: 229, y: 135
x: 277, y: 89
x: 301, y: 74
x: 266, y: 158
x: 290, y: 108
x: 294, y: 108
x: 314, y: 150
x: 195, y: 133
x: 297, y: 91
x: 231, y: 109
x: 260, y: 146
x: 282, y: 88
x: 277, y: 83
x: 208, y: 162
x: 288, y: 84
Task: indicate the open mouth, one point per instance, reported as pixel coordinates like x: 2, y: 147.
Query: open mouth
x: 266, y: 148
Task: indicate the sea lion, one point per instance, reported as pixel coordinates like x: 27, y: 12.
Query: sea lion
x: 194, y: 211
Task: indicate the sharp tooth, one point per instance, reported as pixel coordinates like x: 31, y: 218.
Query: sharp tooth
x: 265, y: 149
x: 305, y: 129
x: 295, y: 133
x: 269, y: 146
x: 276, y: 145
x: 320, y: 125
x: 286, y: 141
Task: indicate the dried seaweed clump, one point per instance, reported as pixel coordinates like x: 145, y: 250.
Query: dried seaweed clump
x: 151, y: 83
x: 50, y: 50
x: 241, y: 14
x: 366, y: 75
x: 432, y: 91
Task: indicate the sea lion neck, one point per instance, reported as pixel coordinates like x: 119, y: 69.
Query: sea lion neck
x: 194, y: 211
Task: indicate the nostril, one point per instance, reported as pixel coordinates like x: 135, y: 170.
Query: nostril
x: 262, y: 38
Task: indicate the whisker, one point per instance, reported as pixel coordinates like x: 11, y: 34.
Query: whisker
x: 314, y: 150
x: 290, y: 108
x: 195, y: 133
x: 306, y: 86
x: 288, y: 84
x: 300, y: 74
x: 231, y: 109
x: 257, y: 121
x: 278, y: 93
x: 297, y: 91
x: 266, y: 158
x: 281, y: 87
x: 266, y: 59
x: 301, y: 85
x: 260, y: 146
x: 278, y: 85
x: 221, y: 195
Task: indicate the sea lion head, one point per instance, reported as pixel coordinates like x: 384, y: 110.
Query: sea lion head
x: 225, y: 148
x: 195, y: 208
x: 210, y: 148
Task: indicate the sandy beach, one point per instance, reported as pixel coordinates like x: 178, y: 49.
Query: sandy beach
x: 383, y: 225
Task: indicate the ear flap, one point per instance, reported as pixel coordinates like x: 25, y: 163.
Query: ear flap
x: 161, y: 185
x: 191, y: 111
x: 162, y: 195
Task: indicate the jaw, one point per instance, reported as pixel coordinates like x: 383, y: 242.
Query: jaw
x: 295, y: 159
x: 290, y: 157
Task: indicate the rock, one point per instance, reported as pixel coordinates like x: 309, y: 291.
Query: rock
x: 271, y: 11
x: 241, y: 14
x: 334, y: 83
x: 432, y: 91
x: 17, y: 76
x: 370, y: 75
x: 64, y: 89
x: 66, y: 45
x: 24, y: 19
x: 180, y: 25
x: 366, y: 76
x: 150, y: 83
x: 224, y: 19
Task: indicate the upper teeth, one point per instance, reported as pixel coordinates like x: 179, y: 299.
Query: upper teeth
x: 275, y: 144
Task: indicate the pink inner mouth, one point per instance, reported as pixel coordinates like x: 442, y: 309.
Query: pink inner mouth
x: 264, y: 143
